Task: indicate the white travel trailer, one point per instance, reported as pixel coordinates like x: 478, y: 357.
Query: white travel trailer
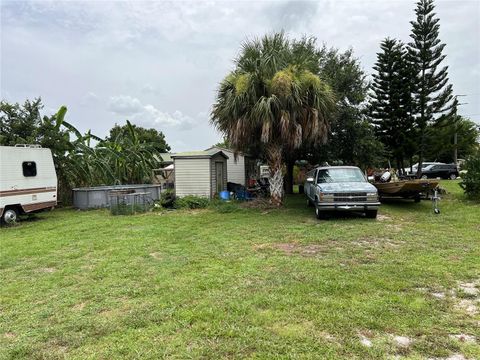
x: 28, y: 182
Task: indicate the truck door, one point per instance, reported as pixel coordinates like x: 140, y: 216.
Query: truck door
x: 313, y: 185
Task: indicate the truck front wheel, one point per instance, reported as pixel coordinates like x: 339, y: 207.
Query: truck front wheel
x: 320, y: 214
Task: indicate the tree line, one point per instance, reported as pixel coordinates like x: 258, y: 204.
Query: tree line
x: 126, y: 155
x: 288, y: 100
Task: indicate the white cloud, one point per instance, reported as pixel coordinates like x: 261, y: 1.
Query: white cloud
x: 148, y: 115
x: 125, y: 105
x: 89, y: 98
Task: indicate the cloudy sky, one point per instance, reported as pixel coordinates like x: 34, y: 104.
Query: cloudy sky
x: 158, y: 64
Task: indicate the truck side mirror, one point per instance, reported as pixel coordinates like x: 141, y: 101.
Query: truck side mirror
x: 310, y: 179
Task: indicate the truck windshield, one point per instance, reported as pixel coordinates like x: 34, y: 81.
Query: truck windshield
x: 340, y: 175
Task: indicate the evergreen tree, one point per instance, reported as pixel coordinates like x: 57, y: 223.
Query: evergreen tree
x: 351, y: 139
x: 391, y: 106
x: 432, y: 95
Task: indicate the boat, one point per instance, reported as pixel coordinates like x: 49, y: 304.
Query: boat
x: 409, y: 189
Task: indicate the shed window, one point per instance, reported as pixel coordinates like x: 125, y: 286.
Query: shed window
x: 29, y: 168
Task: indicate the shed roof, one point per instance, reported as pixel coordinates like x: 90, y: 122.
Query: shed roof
x: 228, y: 150
x: 167, y: 157
x: 199, y: 154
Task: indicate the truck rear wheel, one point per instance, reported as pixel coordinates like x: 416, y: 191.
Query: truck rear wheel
x: 10, y: 216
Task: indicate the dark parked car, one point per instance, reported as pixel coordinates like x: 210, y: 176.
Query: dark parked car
x: 444, y: 171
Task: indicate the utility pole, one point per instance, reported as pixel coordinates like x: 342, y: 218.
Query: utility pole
x: 455, y: 135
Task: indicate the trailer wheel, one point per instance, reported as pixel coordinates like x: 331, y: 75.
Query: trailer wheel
x: 10, y: 216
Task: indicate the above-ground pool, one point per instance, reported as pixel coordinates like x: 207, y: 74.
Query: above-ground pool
x: 98, y: 196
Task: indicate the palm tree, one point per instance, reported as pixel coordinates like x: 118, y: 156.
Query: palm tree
x: 274, y: 100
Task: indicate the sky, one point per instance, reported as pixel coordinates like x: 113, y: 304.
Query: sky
x: 159, y: 64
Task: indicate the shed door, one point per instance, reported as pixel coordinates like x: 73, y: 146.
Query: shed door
x: 219, y: 176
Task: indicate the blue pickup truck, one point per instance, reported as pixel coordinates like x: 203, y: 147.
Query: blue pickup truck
x: 340, y: 188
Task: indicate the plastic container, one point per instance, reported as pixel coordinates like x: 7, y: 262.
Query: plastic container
x: 224, y: 195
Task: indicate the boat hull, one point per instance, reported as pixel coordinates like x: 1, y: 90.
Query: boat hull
x: 405, y: 188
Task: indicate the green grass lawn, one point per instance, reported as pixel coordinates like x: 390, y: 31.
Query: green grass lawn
x: 244, y: 284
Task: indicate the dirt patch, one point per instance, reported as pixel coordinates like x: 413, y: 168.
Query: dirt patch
x: 109, y: 313
x: 464, y: 338
x: 327, y: 336
x: 469, y: 289
x: 451, y: 357
x: 156, y: 255
x: 465, y: 296
x: 365, y: 341
x: 438, y: 295
x: 293, y: 248
x: 79, y: 306
x: 9, y: 335
x: 48, y: 270
x: 395, y: 227
x: 402, y: 341
x: 381, y: 217
x: 373, y: 242
x: 292, y: 330
x: 468, y: 306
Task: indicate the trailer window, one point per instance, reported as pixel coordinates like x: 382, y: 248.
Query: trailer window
x: 29, y: 168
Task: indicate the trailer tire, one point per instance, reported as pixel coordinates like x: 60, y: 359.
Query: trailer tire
x: 10, y: 216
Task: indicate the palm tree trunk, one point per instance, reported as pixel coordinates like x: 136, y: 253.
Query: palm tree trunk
x: 274, y: 159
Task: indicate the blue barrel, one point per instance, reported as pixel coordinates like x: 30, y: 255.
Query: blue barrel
x: 224, y: 195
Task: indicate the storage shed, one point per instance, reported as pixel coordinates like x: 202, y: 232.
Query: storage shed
x: 200, y: 173
x: 239, y: 169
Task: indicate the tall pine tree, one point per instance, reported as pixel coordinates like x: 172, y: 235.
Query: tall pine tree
x: 391, y: 106
x: 432, y: 94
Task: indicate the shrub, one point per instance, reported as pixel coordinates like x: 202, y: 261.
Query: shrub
x: 471, y: 180
x: 167, y: 198
x: 225, y: 206
x: 191, y: 202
